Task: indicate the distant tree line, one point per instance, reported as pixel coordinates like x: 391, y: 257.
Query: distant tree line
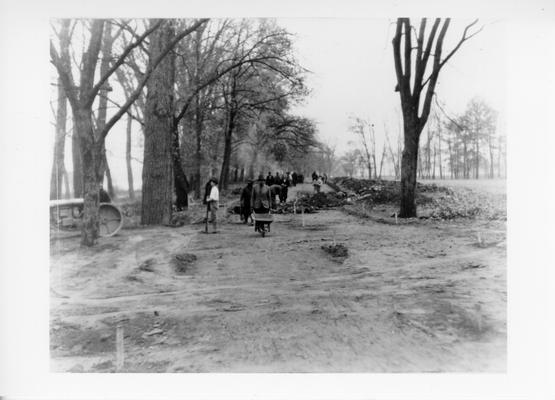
x: 466, y: 146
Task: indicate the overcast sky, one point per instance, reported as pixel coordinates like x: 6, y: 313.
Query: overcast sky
x: 353, y: 72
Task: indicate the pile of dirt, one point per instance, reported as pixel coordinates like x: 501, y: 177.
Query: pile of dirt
x: 309, y: 203
x: 180, y: 218
x: 183, y: 261
x: 466, y: 203
x: 434, y: 201
x: 384, y: 191
x: 337, y: 251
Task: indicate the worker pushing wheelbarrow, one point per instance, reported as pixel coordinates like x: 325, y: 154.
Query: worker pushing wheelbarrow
x: 260, y: 203
x: 262, y: 222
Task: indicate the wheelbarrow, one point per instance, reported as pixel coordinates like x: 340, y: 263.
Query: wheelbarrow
x: 264, y: 220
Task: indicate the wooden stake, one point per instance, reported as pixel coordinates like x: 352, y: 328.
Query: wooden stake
x: 119, y: 347
x: 302, y: 216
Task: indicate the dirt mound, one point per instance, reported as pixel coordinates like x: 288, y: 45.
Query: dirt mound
x: 466, y: 203
x: 385, y: 192
x: 336, y: 250
x: 179, y: 218
x: 183, y: 261
x: 434, y: 201
x: 310, y: 203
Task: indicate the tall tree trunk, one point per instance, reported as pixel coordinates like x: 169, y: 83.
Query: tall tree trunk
x: 58, y: 168
x: 224, y: 174
x: 158, y: 178
x: 477, y: 170
x: 91, y: 159
x: 198, y: 149
x: 76, y: 161
x: 130, y: 187
x: 181, y: 183
x: 439, y: 153
x: 103, y: 103
x: 66, y: 184
x: 409, y: 164
x: 59, y: 173
x: 108, y: 174
x: 491, y: 162
x: 465, y: 161
x: 434, y: 164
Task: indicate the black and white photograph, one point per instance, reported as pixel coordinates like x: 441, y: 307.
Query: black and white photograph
x: 275, y: 194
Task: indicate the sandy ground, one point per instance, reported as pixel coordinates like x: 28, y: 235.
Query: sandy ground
x: 420, y: 297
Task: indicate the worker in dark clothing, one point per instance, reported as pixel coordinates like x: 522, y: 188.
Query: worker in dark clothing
x: 270, y: 179
x: 285, y: 183
x: 260, y: 199
x: 246, y: 195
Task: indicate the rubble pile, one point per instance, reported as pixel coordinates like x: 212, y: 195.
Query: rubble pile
x: 465, y: 203
x: 434, y: 201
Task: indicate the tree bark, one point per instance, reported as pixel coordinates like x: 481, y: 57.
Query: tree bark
x: 76, y: 161
x: 158, y: 178
x: 130, y: 186
x: 103, y: 103
x: 408, y: 173
x: 198, y: 150
x: 181, y: 183
x: 91, y: 158
x: 108, y: 174
x: 224, y: 174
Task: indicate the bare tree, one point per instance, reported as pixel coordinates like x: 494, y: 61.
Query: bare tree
x: 358, y: 127
x: 59, y: 174
x: 156, y: 206
x: 415, y: 113
x: 81, y: 99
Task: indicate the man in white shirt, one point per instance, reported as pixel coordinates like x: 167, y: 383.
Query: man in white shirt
x: 213, y: 203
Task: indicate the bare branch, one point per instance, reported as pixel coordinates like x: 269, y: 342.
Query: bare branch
x: 120, y: 61
x: 149, y: 71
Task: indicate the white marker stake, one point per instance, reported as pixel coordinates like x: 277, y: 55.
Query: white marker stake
x: 119, y: 347
x: 302, y: 216
x: 396, y: 221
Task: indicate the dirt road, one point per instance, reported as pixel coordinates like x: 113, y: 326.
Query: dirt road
x: 421, y: 297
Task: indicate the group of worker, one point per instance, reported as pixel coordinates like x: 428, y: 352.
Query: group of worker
x: 257, y: 196
x: 260, y: 196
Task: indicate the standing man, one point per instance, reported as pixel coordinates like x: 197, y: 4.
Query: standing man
x: 269, y: 179
x: 246, y: 195
x: 213, y: 203
x: 260, y: 199
x: 285, y: 183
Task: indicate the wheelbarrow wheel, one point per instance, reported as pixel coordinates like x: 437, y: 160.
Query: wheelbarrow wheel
x: 111, y: 219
